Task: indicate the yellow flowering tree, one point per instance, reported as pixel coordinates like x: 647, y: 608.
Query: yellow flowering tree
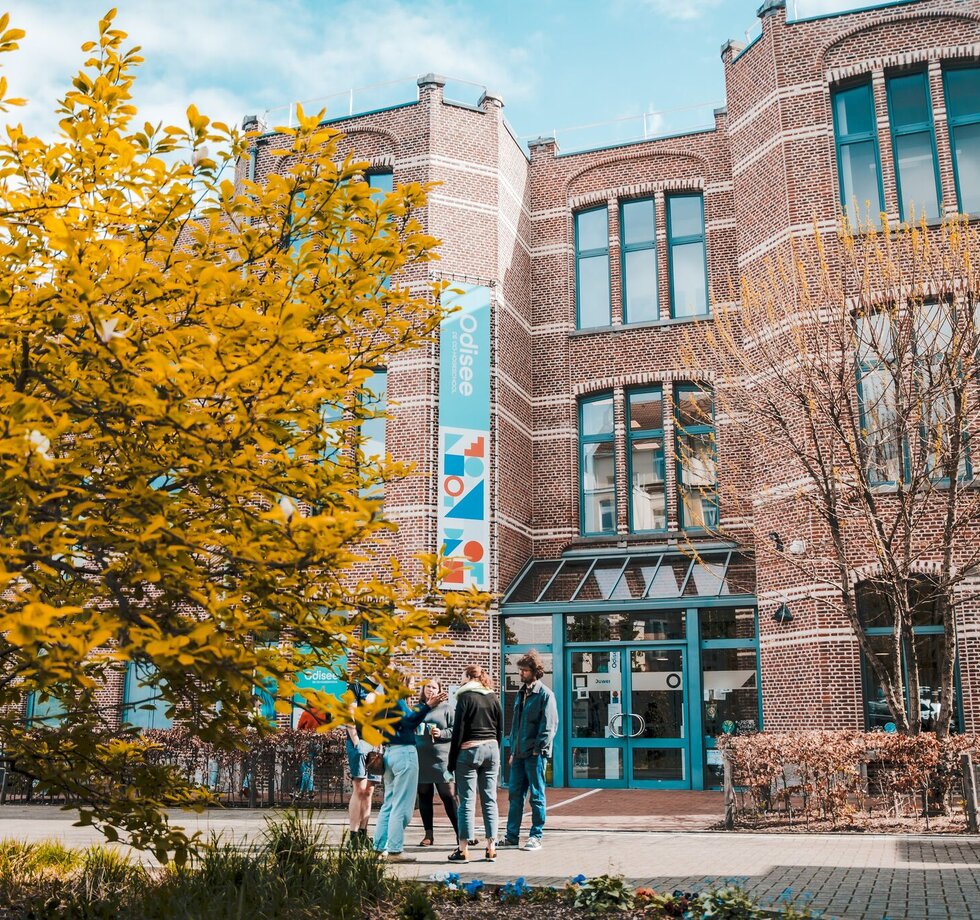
x: 184, y: 367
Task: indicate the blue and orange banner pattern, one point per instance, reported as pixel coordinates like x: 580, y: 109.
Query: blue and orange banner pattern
x: 464, y: 437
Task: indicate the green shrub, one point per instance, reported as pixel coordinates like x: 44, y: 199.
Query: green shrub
x: 416, y: 904
x: 604, y: 893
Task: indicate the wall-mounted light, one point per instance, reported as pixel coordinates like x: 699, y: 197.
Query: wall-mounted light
x: 783, y: 614
x: 777, y: 540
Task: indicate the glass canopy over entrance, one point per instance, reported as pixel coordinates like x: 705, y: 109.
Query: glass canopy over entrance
x: 651, y: 657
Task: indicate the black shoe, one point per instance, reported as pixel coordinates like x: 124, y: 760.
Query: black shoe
x: 458, y: 855
x: 508, y: 842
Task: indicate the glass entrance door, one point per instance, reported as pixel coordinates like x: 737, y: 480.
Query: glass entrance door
x: 628, y: 718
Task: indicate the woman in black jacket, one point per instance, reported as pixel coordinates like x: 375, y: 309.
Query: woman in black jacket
x: 474, y: 755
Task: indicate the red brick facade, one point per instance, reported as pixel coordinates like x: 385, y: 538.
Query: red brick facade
x: 768, y: 175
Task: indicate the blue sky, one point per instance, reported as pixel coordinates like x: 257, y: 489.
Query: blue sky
x: 559, y: 64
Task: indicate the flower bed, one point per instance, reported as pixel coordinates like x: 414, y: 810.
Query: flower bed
x: 847, y: 778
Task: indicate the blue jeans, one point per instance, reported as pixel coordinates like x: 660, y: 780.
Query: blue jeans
x: 477, y: 769
x: 401, y: 783
x: 526, y: 776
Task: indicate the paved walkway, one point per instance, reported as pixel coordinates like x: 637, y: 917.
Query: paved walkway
x: 845, y: 875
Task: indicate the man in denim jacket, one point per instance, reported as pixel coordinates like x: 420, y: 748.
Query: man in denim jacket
x: 532, y: 733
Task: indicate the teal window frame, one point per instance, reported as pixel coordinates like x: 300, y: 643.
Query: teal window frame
x: 584, y: 440
x: 646, y: 245
x: 642, y: 434
x: 376, y: 493
x: 139, y: 711
x: 954, y: 122
x: 843, y: 140
x: 580, y: 256
x: 911, y: 129
x: 50, y: 713
x: 679, y: 469
x: 867, y: 675
x: 676, y: 241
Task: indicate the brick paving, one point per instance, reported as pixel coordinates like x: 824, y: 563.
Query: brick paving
x: 847, y: 876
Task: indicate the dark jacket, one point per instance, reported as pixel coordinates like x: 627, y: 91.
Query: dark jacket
x: 403, y: 731
x: 478, y: 718
x: 535, y: 722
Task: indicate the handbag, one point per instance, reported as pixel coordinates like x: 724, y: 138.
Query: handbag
x: 374, y: 762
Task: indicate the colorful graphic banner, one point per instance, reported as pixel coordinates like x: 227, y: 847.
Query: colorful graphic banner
x: 464, y: 438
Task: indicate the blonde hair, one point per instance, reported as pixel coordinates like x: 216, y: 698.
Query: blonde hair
x: 475, y: 672
x: 425, y: 683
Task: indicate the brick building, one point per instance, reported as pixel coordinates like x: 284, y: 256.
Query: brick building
x: 594, y: 268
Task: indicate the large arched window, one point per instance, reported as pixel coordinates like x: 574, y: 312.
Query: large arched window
x: 878, y: 616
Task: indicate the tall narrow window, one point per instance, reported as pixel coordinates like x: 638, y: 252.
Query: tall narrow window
x: 645, y: 424
x: 597, y: 466
x: 877, y: 400
x: 592, y: 268
x: 688, y: 265
x: 142, y: 704
x: 963, y: 114
x: 637, y: 221
x: 697, y: 475
x: 858, y: 163
x: 382, y: 183
x: 374, y: 429
x: 914, y: 146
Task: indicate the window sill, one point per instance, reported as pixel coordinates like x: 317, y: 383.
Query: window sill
x: 645, y: 324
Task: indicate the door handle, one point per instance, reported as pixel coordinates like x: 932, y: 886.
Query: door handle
x: 615, y: 725
x: 643, y: 725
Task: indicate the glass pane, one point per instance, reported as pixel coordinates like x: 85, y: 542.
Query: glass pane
x: 696, y: 453
x: 653, y: 627
x: 908, y: 99
x: 658, y: 763
x: 707, y: 577
x: 727, y: 622
x: 685, y: 216
x: 638, y: 222
x: 142, y: 704
x: 593, y: 292
x: 853, y: 111
x: 533, y: 582
x: 373, y: 429
x: 599, y: 487
x: 670, y: 577
x: 873, y: 607
x: 930, y: 650
x: 693, y: 408
x: 637, y: 576
x: 591, y: 230
x: 927, y: 604
x: 917, y: 176
x: 933, y: 330
x: 963, y: 92
x: 648, y: 497
x: 699, y: 507
x: 527, y: 631
x: 567, y: 580
x: 878, y: 713
x: 740, y: 578
x: 597, y: 694
x: 512, y: 683
x: 47, y: 711
x: 381, y: 184
x: 657, y: 693
x: 966, y: 150
x: 689, y: 287
x: 641, y: 286
x: 597, y: 417
x: 881, y: 426
x: 731, y: 689
x: 597, y: 763
x: 859, y: 178
x: 646, y: 412
x: 603, y: 582
x: 874, y: 339
x: 591, y: 627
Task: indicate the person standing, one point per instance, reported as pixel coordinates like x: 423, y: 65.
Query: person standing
x: 362, y: 784
x: 474, y: 756
x: 309, y: 721
x: 433, y: 748
x: 401, y: 776
x: 532, y: 734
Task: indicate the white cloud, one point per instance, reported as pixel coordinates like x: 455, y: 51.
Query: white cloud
x: 683, y: 10
x: 232, y: 60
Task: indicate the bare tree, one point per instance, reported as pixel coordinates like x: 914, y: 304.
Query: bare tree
x: 850, y: 369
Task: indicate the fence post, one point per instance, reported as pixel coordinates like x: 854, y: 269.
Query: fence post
x: 970, y: 793
x: 729, y: 792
